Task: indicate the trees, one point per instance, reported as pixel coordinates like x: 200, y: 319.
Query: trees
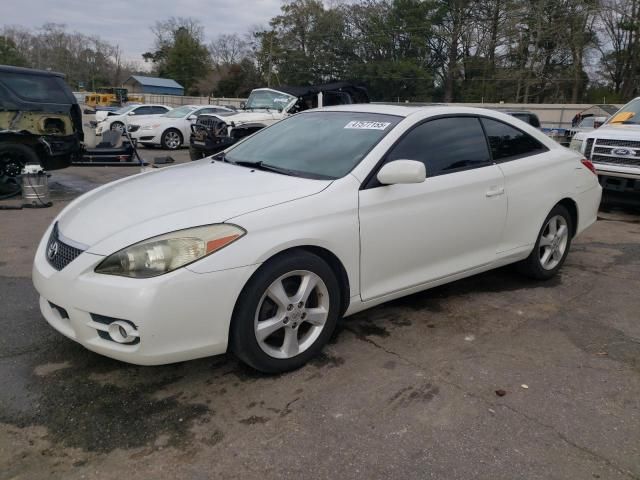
x: 179, y: 52
x: 416, y: 50
x: 9, y: 54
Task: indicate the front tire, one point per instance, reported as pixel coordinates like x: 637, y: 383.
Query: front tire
x: 552, y: 246
x: 117, y: 127
x: 286, y: 313
x: 171, y: 139
x: 13, y: 158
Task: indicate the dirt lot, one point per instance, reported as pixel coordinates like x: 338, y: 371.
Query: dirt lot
x: 405, y: 390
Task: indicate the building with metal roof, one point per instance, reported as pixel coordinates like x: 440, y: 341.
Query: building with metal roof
x: 154, y: 85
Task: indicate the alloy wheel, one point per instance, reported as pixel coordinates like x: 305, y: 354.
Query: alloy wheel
x: 553, y: 242
x: 172, y: 140
x: 291, y: 314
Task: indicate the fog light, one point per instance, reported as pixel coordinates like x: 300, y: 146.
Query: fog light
x: 122, y: 332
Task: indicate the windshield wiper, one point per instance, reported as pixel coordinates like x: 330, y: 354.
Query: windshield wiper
x: 266, y: 167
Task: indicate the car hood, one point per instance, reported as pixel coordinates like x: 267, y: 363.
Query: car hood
x: 248, y: 117
x: 614, y: 131
x: 204, y: 192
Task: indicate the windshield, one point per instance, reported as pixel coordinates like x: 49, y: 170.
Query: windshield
x: 123, y: 110
x: 629, y: 114
x: 316, y: 144
x: 180, y: 112
x: 269, y: 99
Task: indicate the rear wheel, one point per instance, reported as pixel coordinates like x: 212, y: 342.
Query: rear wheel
x: 552, y: 246
x: 171, y: 139
x: 286, y: 313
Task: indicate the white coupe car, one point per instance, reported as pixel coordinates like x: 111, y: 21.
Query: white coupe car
x: 170, y: 130
x: 126, y: 115
x: 263, y: 248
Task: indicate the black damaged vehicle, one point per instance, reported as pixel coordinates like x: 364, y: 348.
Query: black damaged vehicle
x: 40, y: 121
x: 213, y: 132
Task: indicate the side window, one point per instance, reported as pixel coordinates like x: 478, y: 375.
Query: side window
x: 142, y: 111
x: 160, y: 110
x: 509, y: 143
x: 445, y: 145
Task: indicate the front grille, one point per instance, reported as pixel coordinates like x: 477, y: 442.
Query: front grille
x: 58, y: 253
x: 587, y: 150
x: 629, y: 161
x: 618, y: 143
x: 607, y: 151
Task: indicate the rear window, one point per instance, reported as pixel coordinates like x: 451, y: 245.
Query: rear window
x: 36, y: 88
x: 509, y: 143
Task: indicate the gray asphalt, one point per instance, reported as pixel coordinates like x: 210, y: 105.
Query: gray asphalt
x: 406, y: 390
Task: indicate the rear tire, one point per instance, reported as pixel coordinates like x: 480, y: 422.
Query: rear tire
x: 286, y: 313
x: 196, y: 154
x: 552, y: 246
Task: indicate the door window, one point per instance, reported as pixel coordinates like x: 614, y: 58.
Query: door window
x: 444, y: 145
x: 159, y: 110
x: 509, y: 143
x: 143, y: 111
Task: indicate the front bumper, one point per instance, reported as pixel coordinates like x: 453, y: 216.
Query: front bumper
x: 620, y: 171
x: 147, y: 136
x: 179, y: 316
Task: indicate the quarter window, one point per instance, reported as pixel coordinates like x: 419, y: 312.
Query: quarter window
x: 509, y: 143
x: 445, y: 145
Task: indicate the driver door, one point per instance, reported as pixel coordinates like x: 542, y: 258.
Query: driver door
x: 412, y: 234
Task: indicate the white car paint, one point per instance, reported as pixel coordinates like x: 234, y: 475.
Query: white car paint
x: 392, y: 240
x: 135, y: 114
x: 150, y: 130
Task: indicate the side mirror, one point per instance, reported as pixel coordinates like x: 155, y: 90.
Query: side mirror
x: 131, y: 113
x: 242, y: 105
x: 192, y: 118
x: 402, y: 171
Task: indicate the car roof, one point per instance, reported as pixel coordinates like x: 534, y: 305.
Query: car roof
x: 29, y: 71
x: 398, y: 110
x: 407, y: 110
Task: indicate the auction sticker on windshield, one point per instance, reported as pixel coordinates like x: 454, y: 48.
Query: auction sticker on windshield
x: 364, y: 125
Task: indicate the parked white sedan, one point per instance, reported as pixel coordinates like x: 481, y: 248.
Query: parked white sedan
x: 126, y: 115
x: 170, y: 130
x: 319, y: 216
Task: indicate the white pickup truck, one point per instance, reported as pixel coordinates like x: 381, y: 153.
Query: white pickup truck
x: 614, y: 149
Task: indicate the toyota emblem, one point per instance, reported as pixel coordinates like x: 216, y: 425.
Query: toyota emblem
x: 52, y: 251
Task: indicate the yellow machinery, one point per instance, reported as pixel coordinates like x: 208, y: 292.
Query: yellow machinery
x: 111, y: 97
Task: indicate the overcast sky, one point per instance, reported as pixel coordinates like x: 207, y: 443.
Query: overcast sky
x: 127, y: 22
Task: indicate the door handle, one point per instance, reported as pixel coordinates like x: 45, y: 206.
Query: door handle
x: 495, y: 191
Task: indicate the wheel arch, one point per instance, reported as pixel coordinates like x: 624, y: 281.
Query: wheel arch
x: 330, y: 258
x: 175, y: 129
x: 572, y: 207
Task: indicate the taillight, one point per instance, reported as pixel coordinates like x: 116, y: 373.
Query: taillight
x: 589, y: 165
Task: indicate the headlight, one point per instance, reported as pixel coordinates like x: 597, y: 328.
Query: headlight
x: 165, y: 253
x: 576, y: 144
